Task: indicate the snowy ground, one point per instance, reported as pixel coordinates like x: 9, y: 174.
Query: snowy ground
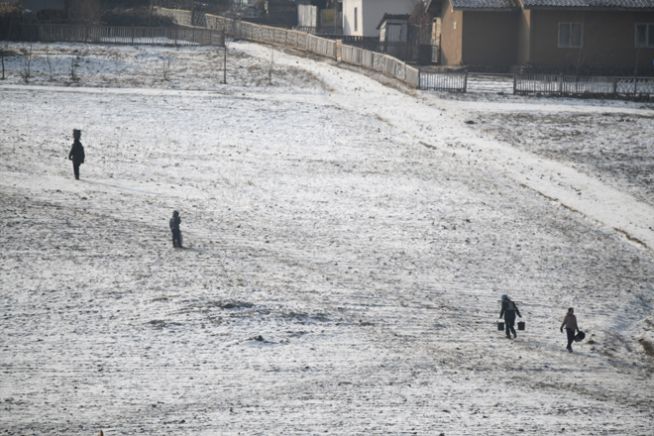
x: 144, y: 66
x: 348, y: 247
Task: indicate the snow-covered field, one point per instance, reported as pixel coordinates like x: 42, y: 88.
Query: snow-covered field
x: 348, y: 245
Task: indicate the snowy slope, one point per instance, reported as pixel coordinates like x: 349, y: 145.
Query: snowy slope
x: 348, y: 251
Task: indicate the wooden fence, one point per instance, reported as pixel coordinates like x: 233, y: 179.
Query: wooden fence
x: 584, y: 86
x: 324, y: 47
x: 455, y: 81
x: 329, y: 48
x: 121, y: 35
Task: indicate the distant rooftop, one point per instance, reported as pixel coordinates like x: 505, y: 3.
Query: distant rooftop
x: 484, y: 4
x: 554, y: 4
x: 590, y: 4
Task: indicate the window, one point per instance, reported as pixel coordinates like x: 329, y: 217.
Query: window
x: 356, y: 19
x: 571, y: 35
x: 645, y: 35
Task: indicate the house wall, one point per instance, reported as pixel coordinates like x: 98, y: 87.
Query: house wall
x: 490, y: 39
x: 39, y: 5
x: 393, y: 31
x: 451, y: 35
x: 348, y: 17
x: 524, y: 38
x: 371, y: 13
x: 307, y: 16
x: 608, y: 41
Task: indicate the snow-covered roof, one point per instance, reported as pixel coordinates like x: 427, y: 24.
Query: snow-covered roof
x: 554, y: 4
x: 484, y: 4
x: 589, y: 4
x: 397, y: 17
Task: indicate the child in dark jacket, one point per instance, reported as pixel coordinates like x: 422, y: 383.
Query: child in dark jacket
x: 76, y: 152
x: 174, y: 223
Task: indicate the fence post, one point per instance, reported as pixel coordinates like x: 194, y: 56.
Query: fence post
x: 615, y: 86
x: 133, y: 31
x: 2, y: 57
x: 515, y: 82
x: 224, y: 59
x: 465, y: 82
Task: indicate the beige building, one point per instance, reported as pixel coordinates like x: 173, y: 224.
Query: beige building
x: 608, y: 36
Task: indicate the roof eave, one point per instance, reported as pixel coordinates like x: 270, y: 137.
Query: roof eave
x: 589, y: 8
x: 468, y: 9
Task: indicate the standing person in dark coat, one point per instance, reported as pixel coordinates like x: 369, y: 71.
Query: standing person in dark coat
x: 76, y: 153
x: 509, y: 311
x: 570, y: 324
x: 174, y: 223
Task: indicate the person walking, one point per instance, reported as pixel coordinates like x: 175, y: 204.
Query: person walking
x: 509, y: 311
x: 76, y: 152
x: 571, y: 327
x: 174, y: 223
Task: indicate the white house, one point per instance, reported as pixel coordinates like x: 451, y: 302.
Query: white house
x: 362, y: 17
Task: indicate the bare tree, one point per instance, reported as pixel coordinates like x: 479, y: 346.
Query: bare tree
x: 74, y: 65
x: 49, y: 62
x: 165, y: 68
x: 26, y: 70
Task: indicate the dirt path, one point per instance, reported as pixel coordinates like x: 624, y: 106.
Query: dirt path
x: 441, y: 126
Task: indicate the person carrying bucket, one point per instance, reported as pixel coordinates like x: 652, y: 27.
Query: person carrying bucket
x: 509, y: 311
x: 571, y: 327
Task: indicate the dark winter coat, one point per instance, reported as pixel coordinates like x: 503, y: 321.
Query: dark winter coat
x: 570, y: 322
x: 76, y: 153
x: 509, y: 310
x: 175, y: 221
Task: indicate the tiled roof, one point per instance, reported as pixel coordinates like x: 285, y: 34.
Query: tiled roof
x: 590, y: 4
x: 484, y: 4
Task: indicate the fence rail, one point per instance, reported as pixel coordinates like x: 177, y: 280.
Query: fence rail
x: 584, y: 86
x: 121, y: 35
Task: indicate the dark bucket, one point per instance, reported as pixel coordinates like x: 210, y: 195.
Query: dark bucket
x: 500, y: 326
x: 521, y: 325
x: 580, y: 336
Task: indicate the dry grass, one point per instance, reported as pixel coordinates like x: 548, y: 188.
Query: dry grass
x: 647, y: 346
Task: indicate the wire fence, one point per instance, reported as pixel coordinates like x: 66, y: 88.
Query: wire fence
x: 584, y: 86
x: 95, y: 34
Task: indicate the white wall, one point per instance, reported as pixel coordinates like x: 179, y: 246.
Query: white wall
x: 349, y: 7
x: 371, y: 13
x: 307, y: 16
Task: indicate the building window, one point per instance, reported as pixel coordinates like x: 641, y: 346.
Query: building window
x: 645, y: 35
x: 571, y: 35
x: 356, y: 19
